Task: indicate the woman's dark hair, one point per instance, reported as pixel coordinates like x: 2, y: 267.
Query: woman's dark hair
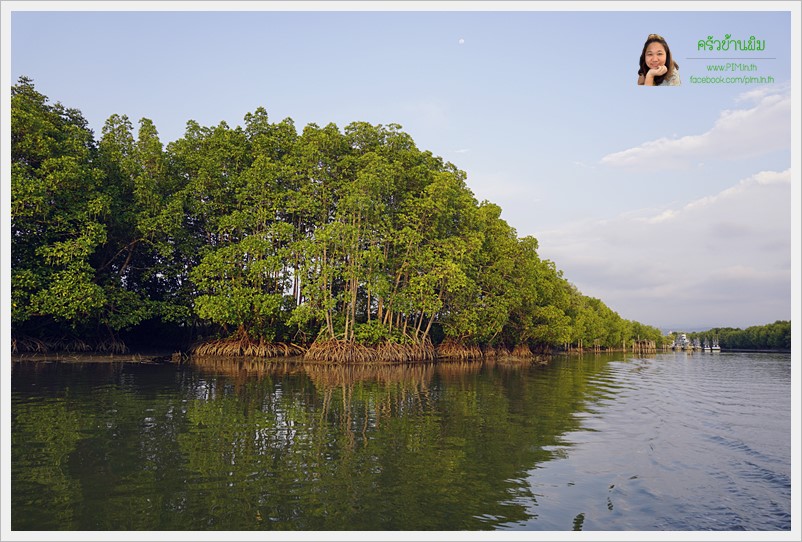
x: 670, y: 64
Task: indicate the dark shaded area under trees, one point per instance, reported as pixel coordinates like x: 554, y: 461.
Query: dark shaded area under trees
x: 258, y: 240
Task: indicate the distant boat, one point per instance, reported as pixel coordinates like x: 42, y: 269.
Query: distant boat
x: 715, y: 347
x: 681, y: 342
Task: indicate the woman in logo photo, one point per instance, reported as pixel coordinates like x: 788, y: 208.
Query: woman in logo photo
x: 657, y: 68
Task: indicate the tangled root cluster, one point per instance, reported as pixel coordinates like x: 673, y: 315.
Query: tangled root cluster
x: 65, y: 344
x: 455, y: 351
x: 244, y: 346
x: 522, y: 351
x: 339, y: 351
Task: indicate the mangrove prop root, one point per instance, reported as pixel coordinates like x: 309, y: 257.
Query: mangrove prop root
x: 338, y: 351
x: 244, y: 346
x: 50, y: 345
x: 454, y: 350
x: 457, y: 351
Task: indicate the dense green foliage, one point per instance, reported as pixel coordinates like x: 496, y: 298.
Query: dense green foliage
x: 776, y: 336
x: 265, y: 233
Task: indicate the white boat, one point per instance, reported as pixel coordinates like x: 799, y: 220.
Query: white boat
x: 681, y: 342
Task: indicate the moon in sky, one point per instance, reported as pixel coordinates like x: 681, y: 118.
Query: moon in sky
x: 461, y: 41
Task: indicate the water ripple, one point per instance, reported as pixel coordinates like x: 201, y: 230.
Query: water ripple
x: 702, y: 442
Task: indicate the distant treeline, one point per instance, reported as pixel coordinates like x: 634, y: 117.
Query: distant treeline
x: 263, y: 240
x: 776, y: 336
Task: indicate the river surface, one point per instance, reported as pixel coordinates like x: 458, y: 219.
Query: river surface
x: 666, y: 442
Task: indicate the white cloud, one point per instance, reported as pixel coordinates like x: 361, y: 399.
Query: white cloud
x: 738, y: 133
x: 756, y: 94
x: 743, y: 186
x: 724, y: 259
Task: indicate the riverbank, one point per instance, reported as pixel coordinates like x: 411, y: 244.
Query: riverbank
x: 180, y: 357
x: 87, y: 357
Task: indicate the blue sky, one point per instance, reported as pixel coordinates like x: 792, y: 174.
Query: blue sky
x: 674, y: 206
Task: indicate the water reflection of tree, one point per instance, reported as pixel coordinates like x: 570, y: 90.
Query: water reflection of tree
x: 382, y: 447
x: 244, y: 444
x: 379, y: 391
x: 97, y: 445
x: 41, y: 471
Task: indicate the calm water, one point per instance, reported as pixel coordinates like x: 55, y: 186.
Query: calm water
x: 666, y: 442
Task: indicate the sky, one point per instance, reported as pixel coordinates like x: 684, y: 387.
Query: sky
x: 678, y: 207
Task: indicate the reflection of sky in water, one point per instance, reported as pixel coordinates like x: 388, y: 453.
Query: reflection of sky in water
x: 683, y: 443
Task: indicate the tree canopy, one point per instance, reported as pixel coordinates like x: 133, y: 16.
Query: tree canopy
x: 774, y: 336
x: 267, y: 235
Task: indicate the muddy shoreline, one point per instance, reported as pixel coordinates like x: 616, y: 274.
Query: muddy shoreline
x: 84, y: 357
